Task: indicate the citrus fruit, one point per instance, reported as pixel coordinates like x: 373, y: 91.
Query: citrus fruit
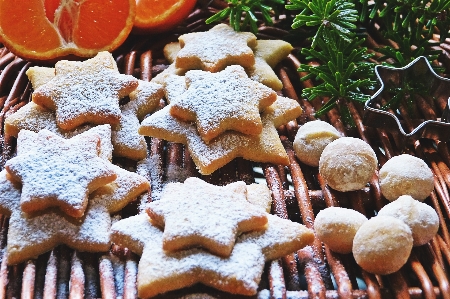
x: 48, y: 29
x: 156, y: 16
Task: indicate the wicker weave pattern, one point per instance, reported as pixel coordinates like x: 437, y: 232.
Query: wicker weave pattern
x: 298, y: 193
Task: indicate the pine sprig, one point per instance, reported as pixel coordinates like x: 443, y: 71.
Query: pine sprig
x: 343, y: 72
x: 335, y: 16
x: 242, y: 13
x: 411, y: 25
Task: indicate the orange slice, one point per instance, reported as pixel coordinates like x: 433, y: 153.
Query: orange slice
x: 48, y: 29
x: 156, y: 16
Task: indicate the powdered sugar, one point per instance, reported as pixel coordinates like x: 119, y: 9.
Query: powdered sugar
x: 58, y: 172
x: 215, y: 49
x: 84, y: 92
x: 195, y: 213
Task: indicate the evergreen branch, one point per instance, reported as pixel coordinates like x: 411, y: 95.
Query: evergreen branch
x: 242, y: 13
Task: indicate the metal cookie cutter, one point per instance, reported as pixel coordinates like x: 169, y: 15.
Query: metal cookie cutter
x: 420, y: 74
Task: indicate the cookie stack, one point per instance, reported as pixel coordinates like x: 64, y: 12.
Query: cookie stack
x: 216, y: 109
x: 198, y: 232
x: 62, y: 191
x: 75, y: 96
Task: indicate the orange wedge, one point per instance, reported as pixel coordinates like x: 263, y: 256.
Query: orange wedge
x: 49, y: 29
x: 156, y: 16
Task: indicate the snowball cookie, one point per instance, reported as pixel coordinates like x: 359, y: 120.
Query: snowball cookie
x: 406, y: 175
x: 382, y: 245
x: 347, y: 164
x: 336, y: 227
x: 311, y: 139
x: 420, y: 217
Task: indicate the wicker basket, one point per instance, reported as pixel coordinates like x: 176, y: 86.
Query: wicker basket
x: 298, y: 194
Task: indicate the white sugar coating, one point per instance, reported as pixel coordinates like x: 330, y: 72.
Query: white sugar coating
x: 9, y: 194
x: 382, y: 245
x: 218, y: 102
x: 32, y: 235
x: 59, y: 172
x: 160, y: 271
x: 420, y: 217
x: 126, y: 140
x: 209, y: 157
x: 174, y: 86
x: 146, y: 98
x: 116, y: 195
x: 347, y: 164
x: 215, y: 49
x: 260, y: 195
x: 311, y: 139
x: 195, y: 213
x: 29, y: 237
x: 170, y: 70
x: 85, y: 92
x: 336, y: 227
x: 34, y: 118
x: 268, y: 53
x: 280, y: 237
x: 406, y: 175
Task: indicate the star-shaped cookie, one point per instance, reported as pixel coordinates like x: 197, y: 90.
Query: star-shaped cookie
x: 195, y: 213
x: 268, y: 53
x: 215, y: 49
x: 265, y: 147
x: 30, y: 235
x: 223, y: 101
x: 125, y: 138
x: 85, y: 92
x: 58, y: 172
x: 160, y: 271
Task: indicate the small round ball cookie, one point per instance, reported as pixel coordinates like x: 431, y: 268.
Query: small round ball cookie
x: 420, y: 217
x: 382, y: 245
x: 311, y: 139
x: 336, y: 227
x: 347, y: 164
x: 406, y: 175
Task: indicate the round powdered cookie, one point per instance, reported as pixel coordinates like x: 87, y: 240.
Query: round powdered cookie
x: 421, y: 218
x: 406, y: 175
x: 382, y: 245
x: 347, y: 164
x: 336, y: 227
x: 311, y: 139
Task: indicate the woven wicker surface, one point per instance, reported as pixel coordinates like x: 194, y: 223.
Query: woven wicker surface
x: 298, y: 194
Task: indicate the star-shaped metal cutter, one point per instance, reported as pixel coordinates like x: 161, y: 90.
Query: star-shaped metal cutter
x: 419, y: 71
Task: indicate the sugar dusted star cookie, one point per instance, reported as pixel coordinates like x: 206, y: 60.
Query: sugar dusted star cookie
x: 223, y: 101
x: 240, y: 273
x: 125, y: 138
x: 58, y: 172
x: 195, y: 213
x: 85, y: 92
x: 265, y: 147
x: 215, y: 49
x: 30, y: 235
x: 268, y: 53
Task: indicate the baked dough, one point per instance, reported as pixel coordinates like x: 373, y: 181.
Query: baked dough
x: 406, y: 175
x: 311, y: 139
x: 382, y: 245
x: 347, y: 164
x: 420, y: 217
x: 336, y: 227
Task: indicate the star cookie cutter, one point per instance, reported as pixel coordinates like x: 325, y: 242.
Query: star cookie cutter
x: 420, y: 73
